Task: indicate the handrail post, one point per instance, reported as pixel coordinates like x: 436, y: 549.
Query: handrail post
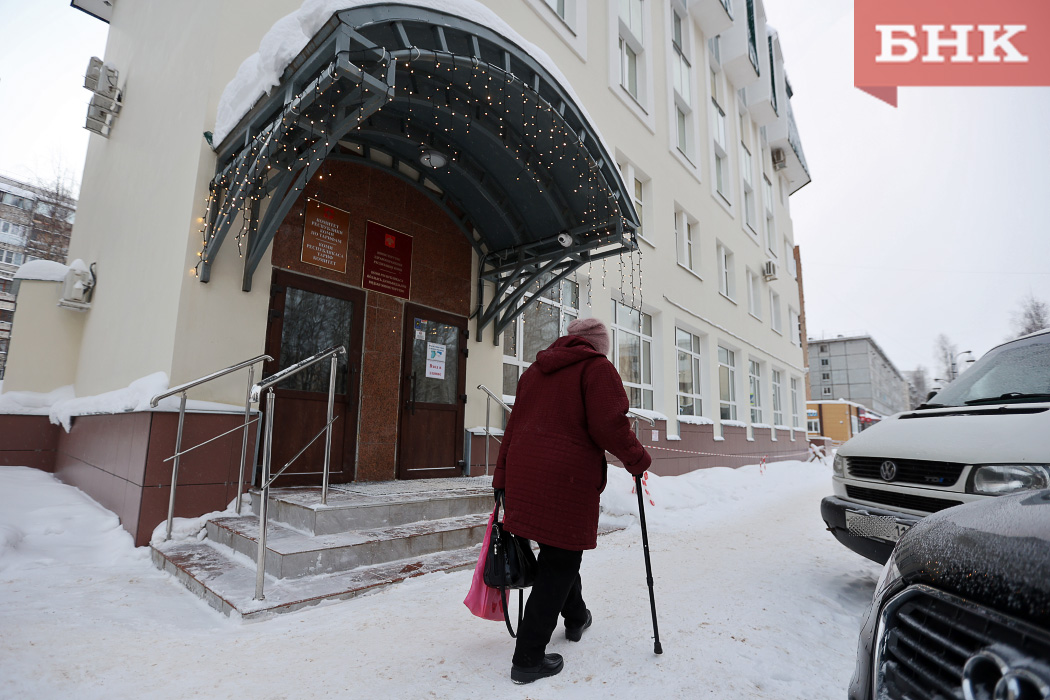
x: 488, y: 432
x: 175, y: 466
x: 260, y: 559
x: 328, y: 437
x: 244, y: 437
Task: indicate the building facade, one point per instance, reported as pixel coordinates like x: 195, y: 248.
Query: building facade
x: 441, y: 187
x: 856, y: 369
x: 35, y: 224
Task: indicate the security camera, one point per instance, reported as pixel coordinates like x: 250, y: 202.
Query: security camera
x: 565, y: 240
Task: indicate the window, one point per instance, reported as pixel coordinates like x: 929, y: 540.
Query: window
x: 685, y: 233
x: 774, y: 311
x: 794, y: 403
x: 6, y: 315
x: 726, y: 384
x: 632, y: 344
x: 777, y: 382
x: 796, y: 328
x: 639, y: 184
x: 752, y: 41
x: 682, y: 80
x: 824, y: 362
x: 754, y: 301
x: 789, y: 256
x: 5, y: 227
x: 771, y: 230
x: 824, y: 347
x: 690, y: 401
x: 813, y: 426
x: 826, y: 391
x: 639, y: 203
x: 726, y: 276
x: 746, y: 166
x: 559, y: 7
x: 631, y: 46
x: 537, y: 327
x: 825, y: 376
x: 721, y: 156
x: 754, y: 377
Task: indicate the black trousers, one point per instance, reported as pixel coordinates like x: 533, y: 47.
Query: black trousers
x: 557, y: 590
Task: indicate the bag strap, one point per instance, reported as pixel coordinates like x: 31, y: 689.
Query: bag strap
x: 521, y: 608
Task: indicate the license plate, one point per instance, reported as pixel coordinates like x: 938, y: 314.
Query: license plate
x: 882, y: 527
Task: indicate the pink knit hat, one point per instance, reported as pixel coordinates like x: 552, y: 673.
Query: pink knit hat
x: 593, y: 331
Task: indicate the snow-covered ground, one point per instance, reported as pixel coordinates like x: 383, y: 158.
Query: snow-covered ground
x: 755, y: 600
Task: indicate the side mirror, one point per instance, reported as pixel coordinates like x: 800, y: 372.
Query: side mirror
x: 930, y: 395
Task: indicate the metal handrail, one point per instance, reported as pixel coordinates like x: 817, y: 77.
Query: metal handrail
x: 182, y: 389
x: 255, y: 392
x: 488, y: 432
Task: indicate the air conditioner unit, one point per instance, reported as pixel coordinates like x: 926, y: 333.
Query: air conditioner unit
x: 105, y: 103
x: 77, y: 287
x: 779, y: 159
x: 769, y: 271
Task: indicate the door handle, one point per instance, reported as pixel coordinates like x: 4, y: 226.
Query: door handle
x: 412, y: 394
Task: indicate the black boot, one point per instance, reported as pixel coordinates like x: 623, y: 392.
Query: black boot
x: 551, y: 665
x: 574, y: 634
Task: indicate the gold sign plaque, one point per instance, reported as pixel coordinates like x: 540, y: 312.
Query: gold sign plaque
x: 325, y: 236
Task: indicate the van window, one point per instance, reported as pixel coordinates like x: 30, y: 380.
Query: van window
x: 1015, y: 372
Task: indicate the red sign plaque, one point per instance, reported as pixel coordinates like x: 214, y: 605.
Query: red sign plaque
x: 325, y: 236
x: 388, y: 261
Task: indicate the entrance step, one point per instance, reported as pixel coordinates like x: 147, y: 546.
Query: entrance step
x: 376, y: 505
x: 226, y: 581
x: 294, y: 554
x: 367, y: 536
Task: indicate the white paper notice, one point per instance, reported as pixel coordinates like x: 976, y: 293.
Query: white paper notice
x: 420, y: 335
x: 436, y: 352
x: 435, y: 370
x: 656, y: 436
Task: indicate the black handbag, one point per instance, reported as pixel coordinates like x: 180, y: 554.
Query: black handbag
x: 509, y: 563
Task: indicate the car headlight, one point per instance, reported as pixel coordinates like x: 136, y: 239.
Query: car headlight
x: 838, y: 465
x: 1000, y: 479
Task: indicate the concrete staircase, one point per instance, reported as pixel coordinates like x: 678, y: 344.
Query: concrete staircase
x: 369, y: 535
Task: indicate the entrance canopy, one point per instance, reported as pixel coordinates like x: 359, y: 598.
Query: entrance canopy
x: 461, y: 112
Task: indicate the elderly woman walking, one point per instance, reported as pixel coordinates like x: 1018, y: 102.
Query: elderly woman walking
x: 569, y: 410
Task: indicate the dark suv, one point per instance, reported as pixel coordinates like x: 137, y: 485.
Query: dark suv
x: 962, y: 609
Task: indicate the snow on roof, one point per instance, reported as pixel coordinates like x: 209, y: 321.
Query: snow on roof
x: 42, y: 270
x: 261, y: 72
x: 5, y: 186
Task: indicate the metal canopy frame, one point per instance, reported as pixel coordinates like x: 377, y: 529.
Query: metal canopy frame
x: 527, y: 179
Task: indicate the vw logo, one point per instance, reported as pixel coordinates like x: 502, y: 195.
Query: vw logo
x: 1000, y: 673
x: 888, y: 470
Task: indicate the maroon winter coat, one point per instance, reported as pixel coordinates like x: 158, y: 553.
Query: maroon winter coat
x: 570, y: 408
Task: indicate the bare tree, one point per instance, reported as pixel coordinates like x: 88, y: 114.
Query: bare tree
x: 1033, y: 316
x: 918, y: 386
x: 945, y: 352
x: 48, y: 237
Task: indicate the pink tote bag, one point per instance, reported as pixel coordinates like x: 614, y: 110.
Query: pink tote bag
x: 482, y: 600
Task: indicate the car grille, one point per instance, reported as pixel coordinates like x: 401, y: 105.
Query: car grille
x: 926, y: 637
x: 910, y: 471
x: 900, y: 500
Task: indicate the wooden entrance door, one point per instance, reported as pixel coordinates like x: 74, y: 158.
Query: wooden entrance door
x: 433, y: 377
x: 307, y: 316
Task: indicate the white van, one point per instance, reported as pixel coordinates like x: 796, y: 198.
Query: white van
x: 986, y: 434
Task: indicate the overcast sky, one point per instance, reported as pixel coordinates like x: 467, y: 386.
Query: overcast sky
x: 925, y: 219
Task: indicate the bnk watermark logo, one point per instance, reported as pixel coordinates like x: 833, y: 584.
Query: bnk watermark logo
x: 950, y: 42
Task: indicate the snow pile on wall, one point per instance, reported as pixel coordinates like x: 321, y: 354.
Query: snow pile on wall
x: 134, y: 397
x: 71, y: 528
x: 43, y: 270
x: 32, y: 403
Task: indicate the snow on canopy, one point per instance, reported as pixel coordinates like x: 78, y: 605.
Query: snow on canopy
x: 262, y: 71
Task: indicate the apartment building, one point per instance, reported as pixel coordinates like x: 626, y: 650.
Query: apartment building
x: 33, y: 226
x: 441, y: 187
x: 856, y: 369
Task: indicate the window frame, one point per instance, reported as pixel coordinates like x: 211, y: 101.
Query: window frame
x: 727, y: 380
x: 644, y: 388
x: 567, y: 313
x: 693, y: 355
x: 754, y: 383
x: 726, y: 273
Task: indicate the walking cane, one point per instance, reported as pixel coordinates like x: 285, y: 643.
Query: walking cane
x: 657, y: 649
